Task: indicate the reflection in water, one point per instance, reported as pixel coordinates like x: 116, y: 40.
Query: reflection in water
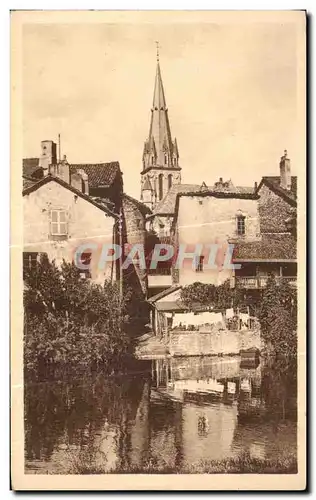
x: 171, y: 413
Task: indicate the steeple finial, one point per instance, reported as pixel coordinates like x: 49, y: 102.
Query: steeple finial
x: 157, y: 47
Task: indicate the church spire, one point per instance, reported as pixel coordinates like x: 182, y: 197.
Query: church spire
x: 161, y: 155
x: 159, y: 150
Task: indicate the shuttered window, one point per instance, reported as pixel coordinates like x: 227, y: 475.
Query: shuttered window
x: 58, y: 223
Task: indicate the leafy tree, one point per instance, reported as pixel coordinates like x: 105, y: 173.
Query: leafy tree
x: 70, y: 321
x: 217, y: 297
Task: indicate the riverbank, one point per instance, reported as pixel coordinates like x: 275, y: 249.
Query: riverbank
x: 240, y: 465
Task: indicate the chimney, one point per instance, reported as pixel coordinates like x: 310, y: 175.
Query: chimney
x: 79, y: 180
x: 48, y: 155
x: 285, y: 172
x: 256, y: 186
x: 85, y: 183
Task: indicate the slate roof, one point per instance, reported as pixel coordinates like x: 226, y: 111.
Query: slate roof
x: 99, y: 174
x: 280, y: 247
x: 97, y: 202
x: 168, y: 203
x: 164, y: 293
x: 273, y: 182
x: 141, y: 206
x: 27, y: 182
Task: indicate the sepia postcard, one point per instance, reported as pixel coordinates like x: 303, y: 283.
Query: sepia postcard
x: 158, y: 295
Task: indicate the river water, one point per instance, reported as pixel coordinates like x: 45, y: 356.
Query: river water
x: 168, y: 413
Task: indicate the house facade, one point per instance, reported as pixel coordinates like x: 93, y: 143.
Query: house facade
x: 58, y: 219
x: 206, y: 224
x: 276, y: 252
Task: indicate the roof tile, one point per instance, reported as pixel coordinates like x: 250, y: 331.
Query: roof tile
x: 270, y: 247
x: 99, y: 174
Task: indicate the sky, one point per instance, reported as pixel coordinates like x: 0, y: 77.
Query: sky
x: 231, y: 91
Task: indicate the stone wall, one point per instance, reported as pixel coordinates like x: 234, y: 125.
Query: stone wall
x: 135, y: 233
x: 204, y: 344
x: 273, y: 211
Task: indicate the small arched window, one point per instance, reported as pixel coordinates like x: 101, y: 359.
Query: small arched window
x: 166, y: 159
x: 152, y: 160
x: 160, y: 186
x: 169, y: 181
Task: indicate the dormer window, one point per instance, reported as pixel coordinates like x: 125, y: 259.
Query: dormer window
x: 241, y: 226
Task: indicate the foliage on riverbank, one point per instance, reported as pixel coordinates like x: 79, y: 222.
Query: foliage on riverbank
x: 278, y: 318
x: 205, y: 294
x: 243, y: 464
x: 72, y: 321
x: 276, y: 307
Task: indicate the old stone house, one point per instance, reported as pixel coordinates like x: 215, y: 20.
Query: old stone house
x: 101, y: 180
x: 276, y: 252
x: 212, y: 218
x: 59, y: 218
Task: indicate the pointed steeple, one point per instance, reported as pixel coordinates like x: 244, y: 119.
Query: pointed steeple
x: 160, y: 154
x: 159, y: 150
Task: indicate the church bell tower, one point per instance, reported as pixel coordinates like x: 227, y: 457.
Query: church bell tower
x: 161, y: 156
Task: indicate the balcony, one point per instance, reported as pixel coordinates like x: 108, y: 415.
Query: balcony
x: 159, y: 278
x: 258, y: 282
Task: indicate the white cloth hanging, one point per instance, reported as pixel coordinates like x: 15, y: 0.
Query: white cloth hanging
x: 229, y: 313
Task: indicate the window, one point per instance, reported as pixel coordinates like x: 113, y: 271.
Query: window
x: 152, y: 160
x: 169, y: 181
x: 199, y: 263
x: 58, y: 223
x: 160, y: 186
x: 166, y: 159
x: 241, y: 228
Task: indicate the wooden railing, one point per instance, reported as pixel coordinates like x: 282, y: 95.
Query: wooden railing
x: 261, y: 281
x: 162, y: 271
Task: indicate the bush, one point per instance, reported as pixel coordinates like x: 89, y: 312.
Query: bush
x: 71, y: 321
x: 278, y: 317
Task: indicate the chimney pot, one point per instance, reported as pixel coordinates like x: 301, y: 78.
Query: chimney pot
x: 285, y: 172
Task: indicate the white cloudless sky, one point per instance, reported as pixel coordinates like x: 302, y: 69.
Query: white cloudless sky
x: 231, y: 90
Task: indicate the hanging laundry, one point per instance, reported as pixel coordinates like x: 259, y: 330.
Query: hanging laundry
x: 231, y: 387
x: 245, y: 385
x: 230, y: 313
